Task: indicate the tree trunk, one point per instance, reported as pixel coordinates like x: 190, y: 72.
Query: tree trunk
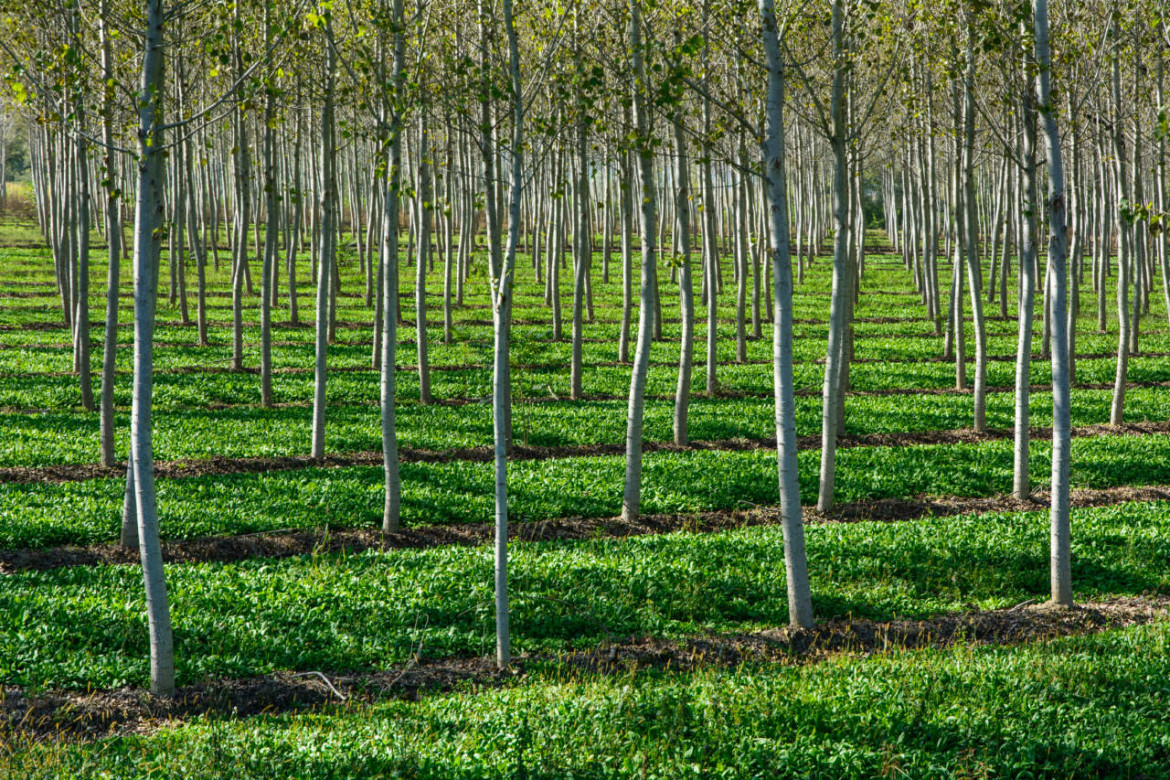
x: 710, y: 240
x: 502, y: 325
x: 800, y: 611
x: 448, y: 236
x: 327, y: 236
x: 495, y: 255
x: 838, y: 303
x: 148, y: 220
x: 81, y: 316
x: 271, y: 227
x: 113, y: 241
x: 1061, y: 566
x: 1117, y: 410
x: 242, y: 216
x: 631, y: 501
x: 1021, y: 485
x: 581, y: 242
x: 388, y: 274
x: 740, y: 227
x: 294, y: 243
x: 972, y: 242
x: 682, y: 201
x: 627, y: 237
x: 423, y: 223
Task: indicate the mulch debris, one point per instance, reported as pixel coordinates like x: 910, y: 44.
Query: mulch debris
x: 199, y: 467
x: 75, y: 716
x: 282, y: 544
x: 255, y: 370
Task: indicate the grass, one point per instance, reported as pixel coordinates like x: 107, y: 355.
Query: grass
x: 45, y: 427
x: 46, y: 437
x: 84, y: 626
x: 358, y: 383
x: 1092, y: 706
x: 37, y: 515
x: 1079, y: 706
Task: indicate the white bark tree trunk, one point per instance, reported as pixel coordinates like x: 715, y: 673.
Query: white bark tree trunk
x: 1124, y: 232
x: 326, y: 246
x: 837, y: 306
x: 423, y: 223
x: 147, y: 220
x: 113, y: 240
x: 391, y: 511
x: 581, y: 238
x: 271, y: 226
x: 1060, y: 556
x: 800, y: 611
x: 81, y: 172
x: 502, y: 325
x: 682, y: 204
x: 1021, y: 483
x: 627, y: 238
x: 242, y: 215
x: 631, y: 501
x: 974, y: 271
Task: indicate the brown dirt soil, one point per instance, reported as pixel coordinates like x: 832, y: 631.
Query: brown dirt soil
x: 284, y: 325
x: 70, y: 716
x: 698, y: 363
x: 281, y: 544
x: 251, y: 465
x: 806, y: 392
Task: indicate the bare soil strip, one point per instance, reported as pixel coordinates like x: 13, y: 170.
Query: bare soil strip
x: 252, y: 465
x: 221, y: 369
x: 305, y: 289
x: 79, y: 716
x: 221, y: 324
x: 369, y: 324
x: 803, y: 392
x: 283, y: 544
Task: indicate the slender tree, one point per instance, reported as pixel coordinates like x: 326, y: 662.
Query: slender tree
x: 800, y: 611
x: 1061, y: 566
x: 632, y: 499
x: 147, y: 224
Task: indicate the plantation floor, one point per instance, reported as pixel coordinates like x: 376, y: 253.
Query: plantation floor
x: 282, y: 544
x: 98, y: 714
x: 204, y: 467
x: 649, y: 649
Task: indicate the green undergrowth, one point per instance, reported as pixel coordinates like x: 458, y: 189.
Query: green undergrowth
x: 37, y: 515
x: 1093, y: 706
x: 547, y: 378
x: 45, y: 438
x: 176, y: 349
x: 85, y: 626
